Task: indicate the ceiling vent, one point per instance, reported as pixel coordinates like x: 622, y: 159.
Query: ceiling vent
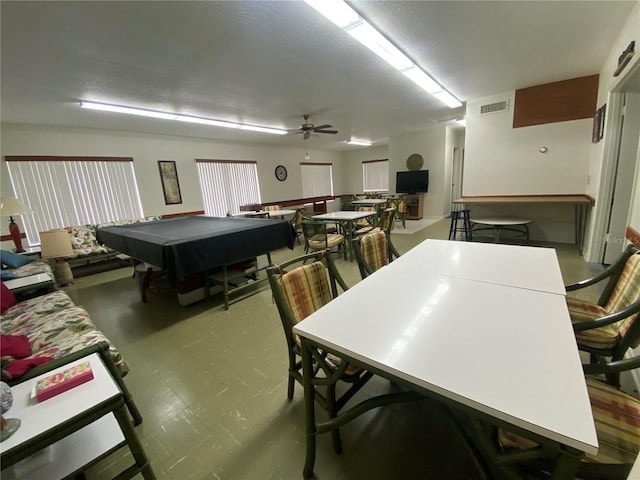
x: 494, y: 107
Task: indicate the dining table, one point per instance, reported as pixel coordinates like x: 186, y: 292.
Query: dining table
x: 346, y: 219
x: 482, y: 328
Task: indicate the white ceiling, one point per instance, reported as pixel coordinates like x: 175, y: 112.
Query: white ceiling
x: 269, y: 62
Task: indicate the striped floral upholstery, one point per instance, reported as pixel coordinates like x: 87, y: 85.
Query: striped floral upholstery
x: 375, y: 250
x: 320, y: 242
x: 387, y: 220
x: 617, y: 419
x: 306, y: 289
x: 362, y: 224
x: 603, y: 337
x: 626, y: 292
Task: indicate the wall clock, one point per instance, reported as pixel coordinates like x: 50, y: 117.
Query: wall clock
x: 281, y: 173
x: 415, y: 161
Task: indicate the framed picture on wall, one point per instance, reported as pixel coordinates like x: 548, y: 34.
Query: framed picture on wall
x: 598, y: 124
x: 170, y: 184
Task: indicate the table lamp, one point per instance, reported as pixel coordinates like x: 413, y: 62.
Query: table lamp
x: 10, y: 206
x: 56, y: 244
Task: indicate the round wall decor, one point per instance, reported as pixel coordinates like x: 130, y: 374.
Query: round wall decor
x: 415, y: 161
x: 281, y: 173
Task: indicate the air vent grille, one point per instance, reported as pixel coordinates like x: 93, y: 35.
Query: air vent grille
x: 494, y: 107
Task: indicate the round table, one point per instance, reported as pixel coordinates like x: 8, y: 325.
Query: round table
x: 498, y: 224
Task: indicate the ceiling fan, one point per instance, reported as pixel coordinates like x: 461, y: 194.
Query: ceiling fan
x: 306, y: 129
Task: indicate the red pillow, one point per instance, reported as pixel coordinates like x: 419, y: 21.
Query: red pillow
x: 16, y: 346
x: 7, y: 298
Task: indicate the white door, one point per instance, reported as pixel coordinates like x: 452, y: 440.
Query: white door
x: 624, y: 175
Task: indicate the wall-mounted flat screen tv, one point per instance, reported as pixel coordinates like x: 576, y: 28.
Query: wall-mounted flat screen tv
x: 414, y: 181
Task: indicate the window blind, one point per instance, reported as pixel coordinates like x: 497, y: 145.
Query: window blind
x: 71, y: 191
x: 317, y: 179
x: 375, y: 175
x: 228, y: 184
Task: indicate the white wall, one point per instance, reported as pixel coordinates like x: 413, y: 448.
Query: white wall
x: 146, y: 150
x: 431, y: 144
x: 502, y: 160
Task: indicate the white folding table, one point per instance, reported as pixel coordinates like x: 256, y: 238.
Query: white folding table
x: 505, y: 353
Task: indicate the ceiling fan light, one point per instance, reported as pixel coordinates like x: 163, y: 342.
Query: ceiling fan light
x: 378, y: 44
x: 420, y: 78
x: 337, y: 11
x: 128, y: 110
x: 448, y: 99
x: 359, y: 142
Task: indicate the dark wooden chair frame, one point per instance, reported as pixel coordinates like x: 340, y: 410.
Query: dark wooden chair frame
x: 365, y: 268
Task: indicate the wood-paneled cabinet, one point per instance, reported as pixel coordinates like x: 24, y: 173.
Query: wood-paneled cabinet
x: 415, y: 206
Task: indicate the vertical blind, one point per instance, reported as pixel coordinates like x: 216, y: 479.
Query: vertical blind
x: 375, y: 175
x: 317, y: 179
x: 70, y: 191
x: 227, y: 184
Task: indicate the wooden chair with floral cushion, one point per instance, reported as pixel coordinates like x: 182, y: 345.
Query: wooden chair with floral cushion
x: 273, y: 211
x: 299, y: 289
x: 317, y: 237
x: 296, y: 223
x: 608, y: 328
x: 373, y: 251
x: 401, y: 210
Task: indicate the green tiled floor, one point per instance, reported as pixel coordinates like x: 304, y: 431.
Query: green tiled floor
x: 211, y: 385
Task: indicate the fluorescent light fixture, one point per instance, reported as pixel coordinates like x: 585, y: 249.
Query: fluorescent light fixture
x: 423, y: 80
x: 448, y: 99
x: 255, y: 128
x: 337, y: 11
x: 129, y: 110
x: 350, y: 21
x: 181, y: 118
x: 359, y: 142
x: 374, y: 41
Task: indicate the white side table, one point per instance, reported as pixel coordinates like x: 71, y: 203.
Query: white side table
x: 22, y: 285
x: 67, y: 433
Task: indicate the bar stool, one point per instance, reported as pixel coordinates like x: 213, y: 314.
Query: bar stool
x: 460, y: 222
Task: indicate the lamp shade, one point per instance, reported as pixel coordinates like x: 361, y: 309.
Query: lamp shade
x: 10, y: 206
x: 55, y: 244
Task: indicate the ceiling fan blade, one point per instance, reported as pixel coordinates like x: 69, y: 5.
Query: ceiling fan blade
x: 322, y: 127
x: 325, y: 131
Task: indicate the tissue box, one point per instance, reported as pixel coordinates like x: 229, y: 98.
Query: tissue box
x: 62, y: 381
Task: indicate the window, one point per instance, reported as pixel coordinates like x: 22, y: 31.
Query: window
x: 317, y: 179
x: 71, y: 191
x: 375, y: 175
x: 228, y: 184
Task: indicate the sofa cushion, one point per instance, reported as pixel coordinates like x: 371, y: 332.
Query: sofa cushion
x: 83, y: 240
x: 16, y: 346
x: 7, y: 298
x: 7, y: 275
x: 13, y: 260
x: 32, y: 268
x: 27, y: 310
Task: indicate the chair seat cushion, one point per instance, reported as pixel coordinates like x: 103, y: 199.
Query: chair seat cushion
x: 332, y: 240
x: 603, y: 337
x: 617, y: 420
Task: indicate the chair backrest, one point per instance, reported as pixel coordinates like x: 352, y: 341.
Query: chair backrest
x: 626, y: 292
x: 363, y: 222
x: 296, y: 221
x: 271, y: 208
x: 373, y: 251
x: 387, y: 219
x: 299, y: 289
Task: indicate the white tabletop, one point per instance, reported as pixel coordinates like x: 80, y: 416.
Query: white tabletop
x: 534, y: 268
x: 370, y: 201
x: 28, y: 281
x: 501, y: 221
x: 343, y: 215
x: 504, y: 351
x: 39, y: 417
x: 272, y: 213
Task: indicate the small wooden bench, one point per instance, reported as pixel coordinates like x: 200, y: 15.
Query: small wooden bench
x: 518, y: 225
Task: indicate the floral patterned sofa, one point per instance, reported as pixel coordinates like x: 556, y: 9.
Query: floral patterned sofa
x: 54, y: 327
x: 86, y: 248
